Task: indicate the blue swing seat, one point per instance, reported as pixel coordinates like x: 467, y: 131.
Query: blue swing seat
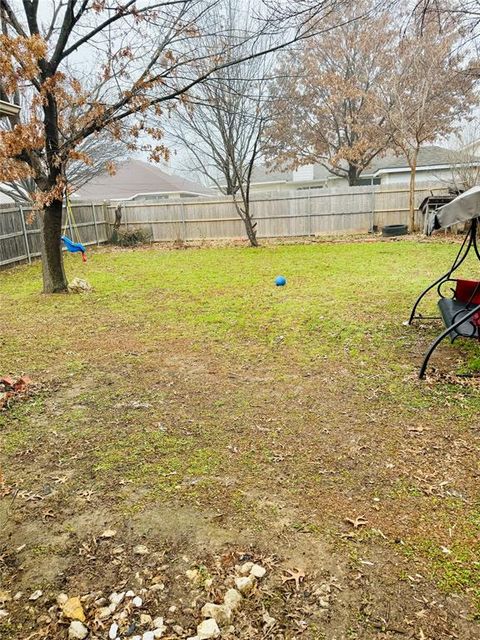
x: 73, y: 247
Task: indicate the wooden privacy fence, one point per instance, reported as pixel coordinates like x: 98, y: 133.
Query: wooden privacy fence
x: 278, y: 214
x: 20, y: 230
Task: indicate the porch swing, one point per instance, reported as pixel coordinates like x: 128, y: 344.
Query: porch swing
x: 459, y: 304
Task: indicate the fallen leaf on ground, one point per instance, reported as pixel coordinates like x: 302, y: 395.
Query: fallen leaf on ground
x: 297, y: 575
x: 109, y: 533
x: 359, y: 521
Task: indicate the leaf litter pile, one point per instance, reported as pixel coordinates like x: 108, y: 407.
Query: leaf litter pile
x: 151, y: 594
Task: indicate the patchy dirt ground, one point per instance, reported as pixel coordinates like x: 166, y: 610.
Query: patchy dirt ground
x: 195, y: 410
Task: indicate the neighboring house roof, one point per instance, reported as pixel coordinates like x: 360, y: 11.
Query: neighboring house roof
x: 471, y: 147
x: 261, y: 174
x: 135, y: 178
x: 429, y: 158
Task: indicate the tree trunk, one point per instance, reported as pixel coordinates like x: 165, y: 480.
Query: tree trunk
x: 411, y: 196
x: 54, y: 279
x: 353, y: 175
x: 251, y: 229
x: 250, y: 225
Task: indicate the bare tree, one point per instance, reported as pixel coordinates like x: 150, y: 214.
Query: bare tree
x: 465, y: 10
x: 428, y: 91
x: 222, y: 125
x: 465, y: 157
x: 109, y: 62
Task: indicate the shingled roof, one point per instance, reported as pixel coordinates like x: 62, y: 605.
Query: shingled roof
x: 135, y: 178
x: 429, y: 156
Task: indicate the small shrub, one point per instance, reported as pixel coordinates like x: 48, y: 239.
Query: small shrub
x: 131, y: 237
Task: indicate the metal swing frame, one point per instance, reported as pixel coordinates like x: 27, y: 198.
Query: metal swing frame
x: 458, y: 324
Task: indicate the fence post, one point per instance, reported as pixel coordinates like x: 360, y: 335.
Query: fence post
x: 184, y: 222
x: 95, y: 222
x: 372, y: 206
x: 25, y: 234
x: 309, y: 212
x: 106, y: 221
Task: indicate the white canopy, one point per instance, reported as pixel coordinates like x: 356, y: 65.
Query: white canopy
x: 465, y: 207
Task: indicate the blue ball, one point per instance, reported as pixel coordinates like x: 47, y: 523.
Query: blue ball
x: 280, y: 281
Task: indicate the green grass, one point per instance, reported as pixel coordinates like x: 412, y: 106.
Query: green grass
x: 303, y: 395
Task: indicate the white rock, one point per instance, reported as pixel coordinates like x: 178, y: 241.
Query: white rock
x: 172, y: 609
x: 148, y: 635
x: 61, y: 599
x: 158, y: 633
x: 232, y: 599
x: 140, y: 550
x: 258, y: 571
x: 77, y: 630
x: 117, y: 598
x: 18, y: 595
x: 112, y: 634
x: 109, y: 533
x: 208, y: 629
x: 245, y: 568
x: 136, y: 638
x: 159, y: 586
x: 77, y: 285
x: 130, y: 594
x: 245, y: 585
x: 137, y: 602
x: 158, y: 622
x: 36, y: 595
x: 3, y: 613
x: 105, y: 612
x: 221, y: 613
x: 192, y: 574
x: 145, y: 619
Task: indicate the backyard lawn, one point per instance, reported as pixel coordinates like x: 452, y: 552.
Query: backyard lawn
x: 189, y: 415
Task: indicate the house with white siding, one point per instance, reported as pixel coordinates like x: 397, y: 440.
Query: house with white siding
x: 435, y: 164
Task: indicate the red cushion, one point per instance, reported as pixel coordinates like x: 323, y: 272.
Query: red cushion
x: 468, y: 291
x: 475, y: 319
